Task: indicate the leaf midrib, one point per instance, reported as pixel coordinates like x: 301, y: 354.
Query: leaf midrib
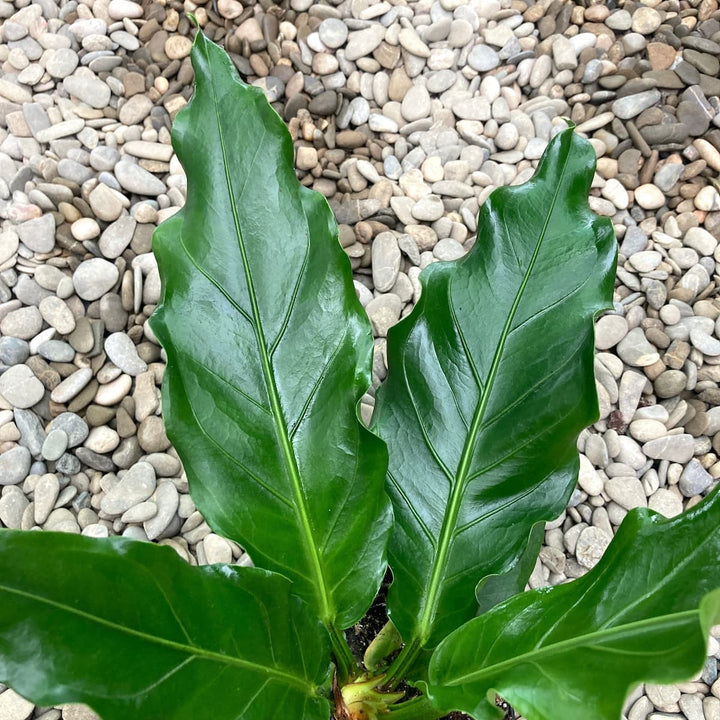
x: 326, y: 612
x: 592, y: 640
x: 191, y: 650
x: 456, y: 495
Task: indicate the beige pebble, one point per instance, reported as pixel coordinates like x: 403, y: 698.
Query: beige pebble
x: 649, y: 197
x: 178, y: 47
x: 85, y: 229
x: 114, y: 391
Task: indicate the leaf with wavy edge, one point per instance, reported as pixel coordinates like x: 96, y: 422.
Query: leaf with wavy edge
x: 132, y: 630
x: 642, y: 614
x: 490, y: 381
x: 268, y: 352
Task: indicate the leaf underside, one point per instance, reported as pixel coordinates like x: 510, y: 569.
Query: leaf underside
x: 135, y: 632
x: 642, y: 614
x: 490, y: 381
x: 268, y: 352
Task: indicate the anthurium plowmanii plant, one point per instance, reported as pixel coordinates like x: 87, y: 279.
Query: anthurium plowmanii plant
x: 472, y: 448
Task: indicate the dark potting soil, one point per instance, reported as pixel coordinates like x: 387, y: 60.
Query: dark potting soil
x: 363, y: 633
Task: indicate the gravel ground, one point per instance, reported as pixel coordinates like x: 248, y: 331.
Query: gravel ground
x: 405, y: 115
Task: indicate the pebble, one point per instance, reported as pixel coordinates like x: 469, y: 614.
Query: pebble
x: 135, y: 486
x: 37, y: 234
x: 14, y: 707
x: 20, y: 387
x: 93, y: 278
x: 14, y: 465
x: 135, y: 179
x: 122, y: 352
x: 694, y: 479
x: 674, y: 448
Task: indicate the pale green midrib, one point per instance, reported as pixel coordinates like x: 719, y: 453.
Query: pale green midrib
x: 164, y: 642
x: 458, y: 489
x: 601, y: 636
x: 326, y: 610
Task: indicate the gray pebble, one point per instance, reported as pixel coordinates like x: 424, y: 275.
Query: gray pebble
x: 94, y: 277
x: 694, y: 479
x: 635, y: 350
x: 20, y: 387
x: 13, y: 504
x: 167, y: 500
x: 55, y: 445
x: 13, y: 351
x: 14, y: 465
x: 72, y: 425
x: 385, y: 261
x: 47, y: 489
x: 32, y: 433
x: 56, y: 351
x: 122, y: 352
x: 135, y: 179
x: 38, y: 234
x: 88, y: 88
x: 135, y: 486
x: 632, y: 105
x: 675, y: 448
x: 333, y: 32
x: 68, y: 465
x: 71, y: 385
x: 483, y: 58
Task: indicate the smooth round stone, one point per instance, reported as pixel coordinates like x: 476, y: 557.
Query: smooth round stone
x: 167, y: 500
x: 71, y: 386
x: 106, y: 203
x: 644, y: 430
x: 645, y: 261
x: 14, y: 465
x: 140, y: 513
x: 707, y: 199
x: 362, y: 42
x: 61, y: 63
x: 588, y: 478
x: 507, y: 137
x: 483, y: 58
x: 448, y: 249
x: 591, y: 545
x: 113, y: 392
x: 88, y: 88
x: 649, y: 197
x: 47, y: 489
x: 151, y: 435
x: 700, y: 240
x: 626, y: 491
x: 38, y: 234
x: 178, y: 47
x: 72, y: 425
x: 619, y: 20
x: 135, y: 110
x: 104, y: 158
x: 122, y: 352
x: 705, y: 343
x: 646, y: 20
x: 57, y: 314
x: 609, y: 331
x: 117, y: 237
x: 12, y: 507
x: 13, y: 351
x: 85, y: 229
x: 119, y: 9
x: 428, y: 209
x: 94, y: 277
x: 217, y: 549
x: 636, y: 351
x: 694, y: 479
x: 135, y: 179
x: 102, y: 439
x: 416, y: 104
x: 20, y: 387
x: 670, y: 383
x: 666, y: 502
x: 56, y: 443
x: 135, y: 486
x: 333, y: 33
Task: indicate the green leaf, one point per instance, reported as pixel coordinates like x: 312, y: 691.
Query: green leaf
x: 643, y: 613
x: 496, y: 588
x: 130, y: 629
x: 268, y: 353
x: 490, y: 381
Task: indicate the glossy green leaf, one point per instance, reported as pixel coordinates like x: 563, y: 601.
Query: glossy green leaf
x: 496, y: 588
x: 268, y: 352
x: 132, y: 630
x: 574, y: 651
x: 490, y: 381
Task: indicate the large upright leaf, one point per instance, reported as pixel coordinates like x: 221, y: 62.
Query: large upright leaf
x: 130, y: 629
x: 574, y: 651
x: 490, y: 381
x: 268, y: 352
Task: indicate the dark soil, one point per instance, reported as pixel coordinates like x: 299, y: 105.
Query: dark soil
x: 362, y: 634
